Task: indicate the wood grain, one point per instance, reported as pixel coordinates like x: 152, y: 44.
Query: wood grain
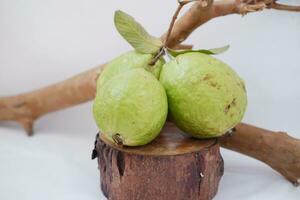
x: 174, y: 166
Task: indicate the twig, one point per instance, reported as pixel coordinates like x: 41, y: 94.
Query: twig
x: 247, y: 8
x: 157, y: 56
x: 183, y: 46
x: 279, y: 6
x: 181, y: 4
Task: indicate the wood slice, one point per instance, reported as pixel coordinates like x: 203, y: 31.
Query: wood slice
x: 173, y: 166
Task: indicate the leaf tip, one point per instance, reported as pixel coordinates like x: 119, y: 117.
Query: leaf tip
x: 135, y: 34
x: 117, y: 14
x: 226, y: 47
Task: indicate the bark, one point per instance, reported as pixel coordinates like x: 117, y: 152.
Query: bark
x: 173, y: 166
x: 199, y: 14
x: 277, y: 149
x: 26, y: 108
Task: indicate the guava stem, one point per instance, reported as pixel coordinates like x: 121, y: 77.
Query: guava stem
x: 117, y: 139
x: 157, y: 57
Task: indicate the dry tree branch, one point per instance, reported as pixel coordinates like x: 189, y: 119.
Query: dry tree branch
x: 199, y: 14
x: 279, y: 6
x: 26, y: 108
x: 278, y: 150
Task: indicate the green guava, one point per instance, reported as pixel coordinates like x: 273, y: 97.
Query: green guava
x: 132, y: 107
x: 128, y: 61
x: 206, y: 97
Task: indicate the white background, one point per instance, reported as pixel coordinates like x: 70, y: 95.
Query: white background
x: 42, y: 42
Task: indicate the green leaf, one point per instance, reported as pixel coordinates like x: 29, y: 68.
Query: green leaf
x: 205, y: 51
x: 135, y: 34
x: 219, y: 50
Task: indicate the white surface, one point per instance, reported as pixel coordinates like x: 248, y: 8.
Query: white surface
x: 42, y: 42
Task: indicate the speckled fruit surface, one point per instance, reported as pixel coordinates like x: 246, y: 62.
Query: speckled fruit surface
x: 133, y: 105
x: 206, y: 97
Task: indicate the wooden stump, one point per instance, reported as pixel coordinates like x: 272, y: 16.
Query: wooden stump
x: 173, y: 166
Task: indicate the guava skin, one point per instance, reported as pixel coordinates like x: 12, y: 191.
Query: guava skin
x: 132, y: 104
x: 128, y: 61
x: 206, y: 97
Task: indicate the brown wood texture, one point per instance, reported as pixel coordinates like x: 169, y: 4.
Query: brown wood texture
x: 277, y: 149
x: 173, y: 166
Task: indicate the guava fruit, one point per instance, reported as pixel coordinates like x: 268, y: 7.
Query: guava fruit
x: 128, y: 61
x: 206, y: 97
x: 132, y: 107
